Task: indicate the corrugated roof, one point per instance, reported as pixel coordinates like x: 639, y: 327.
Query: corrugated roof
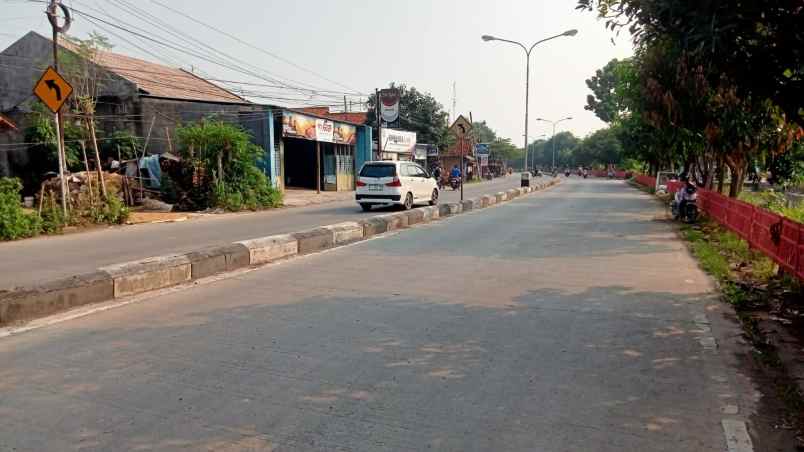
x: 161, y: 81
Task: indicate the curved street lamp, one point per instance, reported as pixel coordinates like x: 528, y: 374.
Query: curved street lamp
x: 527, y: 50
x: 554, y: 133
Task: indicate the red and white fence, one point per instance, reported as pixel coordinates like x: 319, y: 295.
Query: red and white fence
x: 778, y: 237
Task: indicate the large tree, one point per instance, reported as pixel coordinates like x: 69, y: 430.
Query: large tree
x: 419, y: 112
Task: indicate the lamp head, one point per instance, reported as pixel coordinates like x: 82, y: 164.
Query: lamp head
x: 488, y: 38
x: 572, y: 32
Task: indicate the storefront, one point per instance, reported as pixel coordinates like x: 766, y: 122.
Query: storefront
x: 317, y: 153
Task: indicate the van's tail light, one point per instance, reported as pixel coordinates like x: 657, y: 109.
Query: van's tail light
x: 360, y: 183
x: 394, y: 183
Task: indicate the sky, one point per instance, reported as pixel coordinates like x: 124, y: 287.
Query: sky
x: 331, y: 47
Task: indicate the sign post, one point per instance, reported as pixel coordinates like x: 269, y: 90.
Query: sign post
x: 55, y: 90
x: 462, y: 129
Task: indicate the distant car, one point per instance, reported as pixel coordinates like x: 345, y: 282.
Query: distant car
x: 399, y: 183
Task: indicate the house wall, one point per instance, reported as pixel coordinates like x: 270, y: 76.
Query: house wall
x: 167, y: 114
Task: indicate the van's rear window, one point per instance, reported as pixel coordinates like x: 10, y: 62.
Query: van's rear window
x: 378, y: 171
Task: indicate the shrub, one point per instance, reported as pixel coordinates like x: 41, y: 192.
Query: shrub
x: 14, y: 222
x: 222, y: 169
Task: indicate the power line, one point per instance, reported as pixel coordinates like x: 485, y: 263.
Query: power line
x: 259, y: 49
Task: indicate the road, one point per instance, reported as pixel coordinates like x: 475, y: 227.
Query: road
x: 570, y: 320
x: 46, y: 258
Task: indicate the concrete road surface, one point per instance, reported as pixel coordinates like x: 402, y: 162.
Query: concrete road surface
x: 568, y: 320
x: 46, y: 258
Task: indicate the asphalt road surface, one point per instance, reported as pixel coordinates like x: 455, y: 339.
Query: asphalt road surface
x: 46, y: 258
x: 569, y: 320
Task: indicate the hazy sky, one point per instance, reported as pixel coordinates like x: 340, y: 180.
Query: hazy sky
x: 365, y: 44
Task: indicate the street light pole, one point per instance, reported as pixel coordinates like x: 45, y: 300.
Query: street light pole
x: 554, y: 123
x: 528, y: 50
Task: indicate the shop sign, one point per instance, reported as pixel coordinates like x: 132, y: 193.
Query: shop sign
x: 295, y: 125
x: 345, y: 134
x: 484, y: 159
x: 482, y: 148
x: 398, y: 141
x: 432, y: 150
x: 324, y: 130
x: 420, y: 152
x: 389, y: 105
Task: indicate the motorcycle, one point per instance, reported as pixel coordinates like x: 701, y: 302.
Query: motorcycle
x: 567, y: 173
x: 690, y: 209
x: 455, y: 182
x: 585, y: 174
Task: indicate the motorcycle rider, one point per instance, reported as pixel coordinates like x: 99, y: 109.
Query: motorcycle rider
x: 455, y: 176
x: 684, y: 195
x: 437, y: 175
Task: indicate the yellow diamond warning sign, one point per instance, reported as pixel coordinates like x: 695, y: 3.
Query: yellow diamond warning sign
x: 53, y: 90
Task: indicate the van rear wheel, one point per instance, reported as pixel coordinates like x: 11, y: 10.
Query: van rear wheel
x: 408, y: 201
x: 365, y: 207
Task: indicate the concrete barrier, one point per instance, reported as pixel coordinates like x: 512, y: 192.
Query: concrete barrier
x: 455, y: 208
x: 150, y: 274
x: 56, y: 296
x: 430, y: 213
x: 347, y: 232
x: 218, y: 259
x: 314, y: 240
x: 396, y: 220
x: 415, y: 216
x: 467, y: 205
x: 269, y: 249
x: 444, y: 210
x: 501, y: 197
x: 512, y: 193
x: 374, y: 226
x: 490, y: 200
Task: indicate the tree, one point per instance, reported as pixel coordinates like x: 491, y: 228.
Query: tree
x: 418, y: 112
x: 759, y: 45
x: 610, y: 87
x: 86, y: 74
x: 601, y: 148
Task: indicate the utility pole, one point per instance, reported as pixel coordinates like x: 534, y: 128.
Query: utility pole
x: 51, y: 11
x: 379, y: 122
x: 454, y: 101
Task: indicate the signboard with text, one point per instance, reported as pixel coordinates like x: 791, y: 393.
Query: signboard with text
x: 398, y: 141
x: 296, y: 125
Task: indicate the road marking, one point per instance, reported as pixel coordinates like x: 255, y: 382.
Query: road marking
x: 737, y: 438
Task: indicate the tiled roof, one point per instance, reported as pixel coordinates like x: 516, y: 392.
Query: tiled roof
x: 359, y: 118
x: 161, y: 81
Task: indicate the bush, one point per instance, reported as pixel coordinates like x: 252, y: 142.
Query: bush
x: 14, y: 222
x: 221, y: 169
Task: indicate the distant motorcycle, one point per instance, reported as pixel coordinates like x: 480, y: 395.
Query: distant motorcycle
x: 685, y: 205
x: 455, y: 182
x: 567, y: 173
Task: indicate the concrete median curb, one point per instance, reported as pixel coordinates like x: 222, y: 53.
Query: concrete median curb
x: 146, y: 275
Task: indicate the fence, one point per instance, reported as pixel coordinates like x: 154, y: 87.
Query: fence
x: 778, y: 237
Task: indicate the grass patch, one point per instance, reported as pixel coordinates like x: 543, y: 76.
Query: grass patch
x: 751, y: 283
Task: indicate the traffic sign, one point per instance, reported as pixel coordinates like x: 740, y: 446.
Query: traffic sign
x: 462, y: 128
x: 53, y: 90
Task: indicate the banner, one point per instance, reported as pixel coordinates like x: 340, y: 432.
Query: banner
x: 295, y: 125
x: 345, y: 134
x: 482, y: 148
x: 398, y: 141
x: 389, y: 105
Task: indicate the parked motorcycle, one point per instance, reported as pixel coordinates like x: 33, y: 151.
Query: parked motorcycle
x: 688, y: 197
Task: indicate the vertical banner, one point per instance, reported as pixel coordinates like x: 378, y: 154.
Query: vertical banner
x: 389, y: 106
